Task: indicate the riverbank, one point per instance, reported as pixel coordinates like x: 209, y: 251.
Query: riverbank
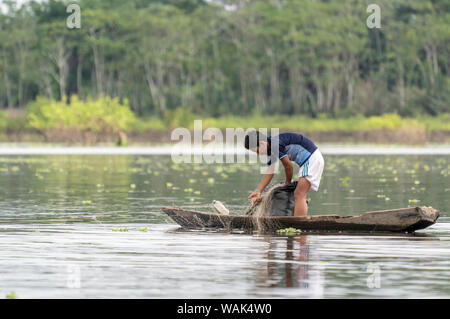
x: 152, y: 137
x: 166, y: 149
x: 16, y: 127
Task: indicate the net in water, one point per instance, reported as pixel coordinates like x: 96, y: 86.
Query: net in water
x: 277, y: 200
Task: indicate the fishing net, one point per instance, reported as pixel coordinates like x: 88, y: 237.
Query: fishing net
x: 277, y: 200
x: 270, y: 200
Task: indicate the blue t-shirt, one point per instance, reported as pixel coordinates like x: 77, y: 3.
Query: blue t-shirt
x: 298, y: 147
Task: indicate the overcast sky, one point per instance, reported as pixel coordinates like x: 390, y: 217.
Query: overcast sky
x: 19, y: 2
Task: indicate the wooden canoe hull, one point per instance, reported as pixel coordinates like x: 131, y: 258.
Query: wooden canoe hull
x: 398, y: 220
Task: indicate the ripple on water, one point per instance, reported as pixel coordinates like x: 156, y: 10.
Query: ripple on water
x: 57, y: 215
x: 44, y: 260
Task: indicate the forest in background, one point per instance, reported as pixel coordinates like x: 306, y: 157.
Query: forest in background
x: 172, y: 60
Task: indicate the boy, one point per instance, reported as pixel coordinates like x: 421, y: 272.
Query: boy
x: 291, y: 147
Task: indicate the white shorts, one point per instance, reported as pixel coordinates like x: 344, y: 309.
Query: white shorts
x: 312, y: 169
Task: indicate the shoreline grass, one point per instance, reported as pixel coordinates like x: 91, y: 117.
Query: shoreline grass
x: 307, y: 124
x: 18, y: 123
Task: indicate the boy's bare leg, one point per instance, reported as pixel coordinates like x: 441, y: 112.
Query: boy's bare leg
x: 300, y: 204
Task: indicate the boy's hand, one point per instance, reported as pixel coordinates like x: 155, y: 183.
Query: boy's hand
x: 255, y: 197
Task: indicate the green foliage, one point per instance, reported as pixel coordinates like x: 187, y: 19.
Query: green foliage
x: 180, y: 117
x: 322, y: 123
x: 99, y: 115
x: 151, y: 123
x: 11, y: 295
x: 266, y: 58
x: 13, y: 121
x: 3, y: 123
x: 437, y: 123
x: 291, y: 231
x: 308, y: 124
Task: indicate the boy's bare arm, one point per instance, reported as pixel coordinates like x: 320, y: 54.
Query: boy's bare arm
x: 288, y: 169
x: 265, y: 180
x: 256, y: 195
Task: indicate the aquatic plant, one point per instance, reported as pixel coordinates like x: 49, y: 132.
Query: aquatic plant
x: 11, y: 295
x: 289, y: 231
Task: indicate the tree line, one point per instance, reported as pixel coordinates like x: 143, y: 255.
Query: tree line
x: 231, y: 57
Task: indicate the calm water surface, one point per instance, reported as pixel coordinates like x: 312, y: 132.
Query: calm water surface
x: 63, y: 221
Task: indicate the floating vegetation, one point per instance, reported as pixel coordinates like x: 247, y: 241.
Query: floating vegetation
x: 120, y: 229
x: 11, y: 295
x: 344, y: 181
x: 289, y: 231
x: 143, y: 229
x: 110, y: 183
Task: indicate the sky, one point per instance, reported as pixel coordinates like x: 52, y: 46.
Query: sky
x: 19, y: 2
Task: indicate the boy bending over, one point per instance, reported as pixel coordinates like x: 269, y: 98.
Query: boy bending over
x: 291, y: 147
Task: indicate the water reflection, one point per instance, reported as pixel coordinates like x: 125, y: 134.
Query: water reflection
x: 112, y: 188
x: 293, y: 262
x: 60, y: 210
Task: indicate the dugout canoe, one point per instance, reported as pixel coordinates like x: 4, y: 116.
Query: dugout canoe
x: 397, y: 220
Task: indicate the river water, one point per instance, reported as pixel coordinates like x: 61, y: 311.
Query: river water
x: 91, y: 226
